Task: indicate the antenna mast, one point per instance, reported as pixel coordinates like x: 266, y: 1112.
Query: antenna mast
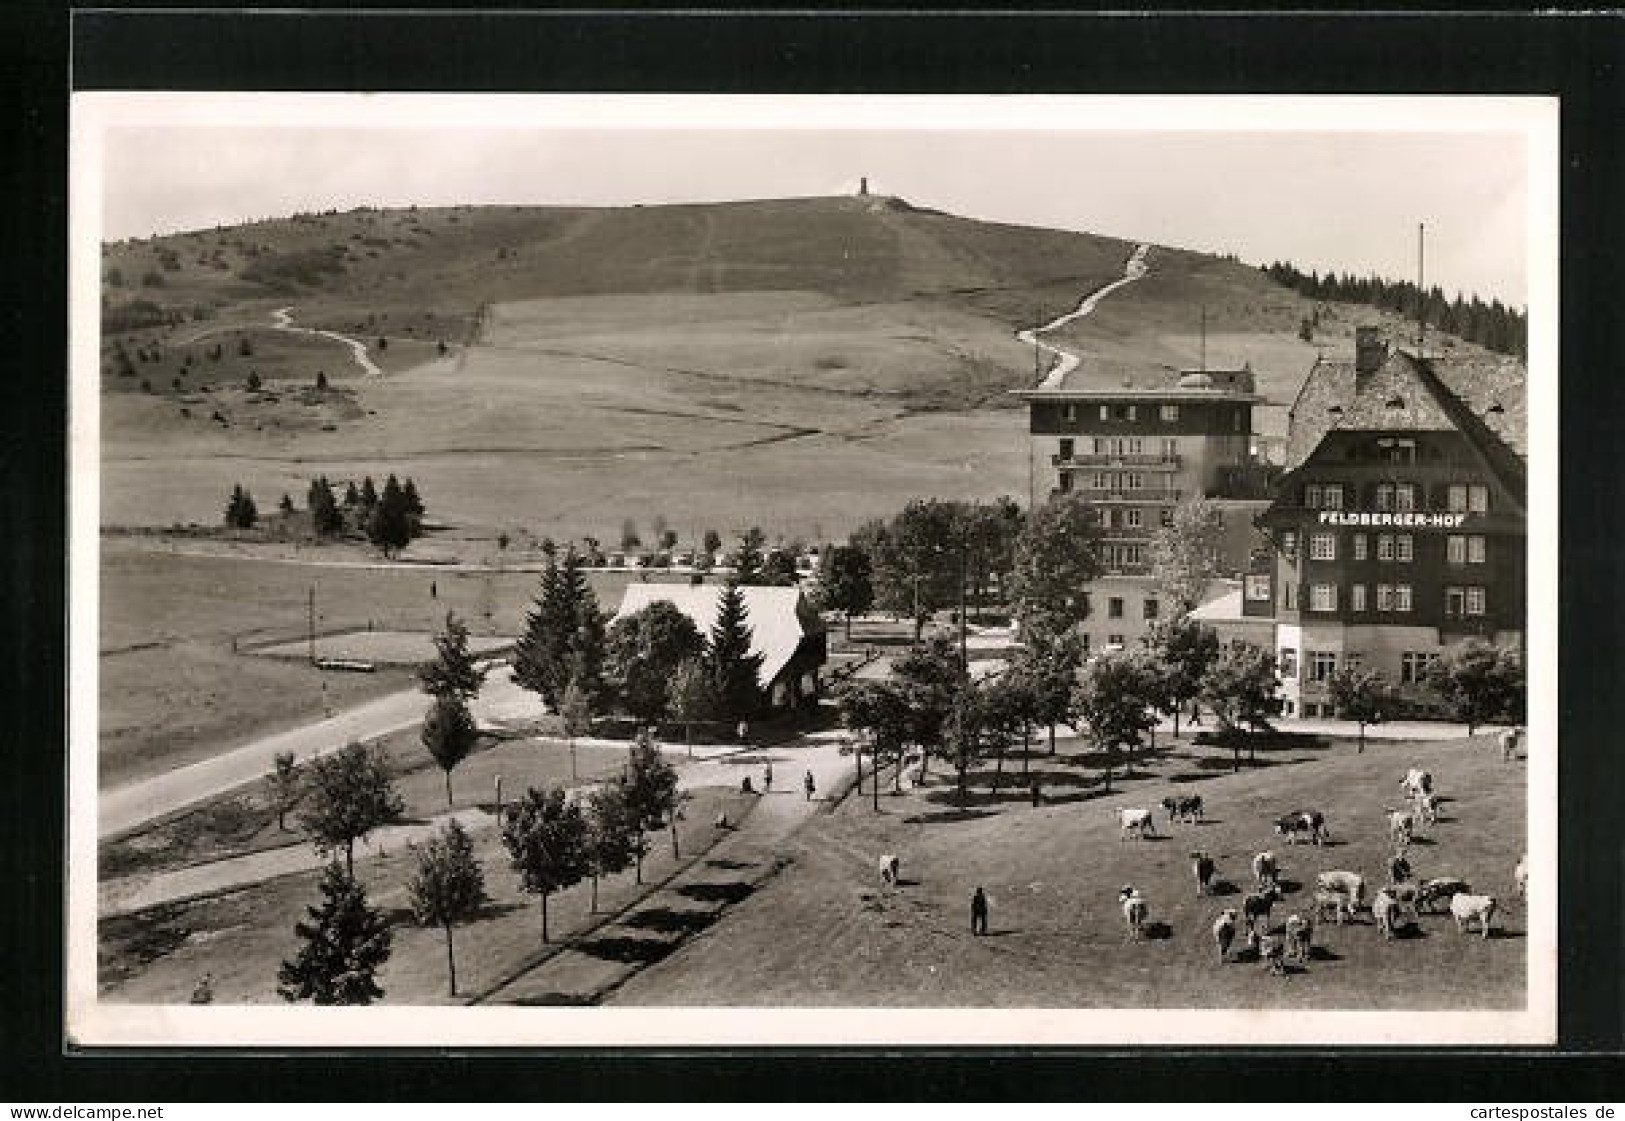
x: 1204, y: 339
x: 1421, y: 289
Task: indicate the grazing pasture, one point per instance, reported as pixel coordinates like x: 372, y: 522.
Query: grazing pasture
x: 825, y: 933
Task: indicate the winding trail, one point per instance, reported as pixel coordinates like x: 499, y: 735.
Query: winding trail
x: 281, y: 320
x: 1133, y: 270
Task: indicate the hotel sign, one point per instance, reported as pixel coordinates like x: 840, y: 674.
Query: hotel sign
x: 1403, y: 519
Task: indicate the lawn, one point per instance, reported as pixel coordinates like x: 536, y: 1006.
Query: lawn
x: 239, y: 937
x: 825, y: 932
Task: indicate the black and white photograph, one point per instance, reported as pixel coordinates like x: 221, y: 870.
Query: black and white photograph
x: 614, y: 570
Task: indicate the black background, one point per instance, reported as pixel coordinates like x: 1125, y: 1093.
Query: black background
x: 1578, y: 59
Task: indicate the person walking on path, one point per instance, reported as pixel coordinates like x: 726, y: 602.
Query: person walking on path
x: 978, y: 912
x: 808, y: 786
x: 767, y: 779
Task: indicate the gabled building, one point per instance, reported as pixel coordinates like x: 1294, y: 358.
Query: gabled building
x: 1399, y: 525
x: 785, y: 631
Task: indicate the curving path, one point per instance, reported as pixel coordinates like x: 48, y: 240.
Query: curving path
x: 1132, y: 271
x: 281, y: 320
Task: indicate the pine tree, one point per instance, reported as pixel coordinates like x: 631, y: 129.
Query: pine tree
x: 241, y: 513
x: 389, y: 521
x: 324, y: 511
x: 546, y: 838
x: 286, y: 505
x: 453, y: 673
x: 748, y: 557
x: 369, y: 494
x: 448, y: 887
x: 352, y: 496
x: 345, y: 944
x: 414, y: 507
x: 564, y: 636
x: 735, y: 671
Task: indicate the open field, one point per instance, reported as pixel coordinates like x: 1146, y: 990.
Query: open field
x: 824, y: 932
x: 381, y: 647
x: 157, y: 956
x: 174, y: 690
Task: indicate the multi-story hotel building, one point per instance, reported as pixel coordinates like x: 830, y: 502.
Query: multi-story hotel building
x: 1398, y: 528
x: 1135, y: 450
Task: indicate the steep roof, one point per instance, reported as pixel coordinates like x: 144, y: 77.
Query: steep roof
x: 1098, y: 378
x: 1410, y: 394
x: 778, y: 617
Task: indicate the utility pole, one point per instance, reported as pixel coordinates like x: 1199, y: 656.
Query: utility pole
x: 964, y: 649
x: 310, y: 624
x: 1204, y: 339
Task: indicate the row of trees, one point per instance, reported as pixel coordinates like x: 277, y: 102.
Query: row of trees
x: 554, y: 841
x: 391, y: 519
x: 1493, y: 325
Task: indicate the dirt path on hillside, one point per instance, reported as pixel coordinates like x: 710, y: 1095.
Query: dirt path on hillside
x: 282, y: 320
x: 1133, y: 270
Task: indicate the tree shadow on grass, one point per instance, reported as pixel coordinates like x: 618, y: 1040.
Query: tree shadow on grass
x: 727, y: 893
x: 943, y: 817
x: 1224, y: 887
x: 668, y: 921
x: 1499, y: 932
x: 633, y: 951
x: 725, y: 862
x: 555, y: 1000
x: 1158, y: 931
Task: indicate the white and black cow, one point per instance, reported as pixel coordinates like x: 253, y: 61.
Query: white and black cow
x: 1440, y: 888
x: 1401, y: 828
x: 890, y: 868
x: 1183, y: 808
x: 1135, y: 911
x: 1350, y: 886
x: 1302, y: 824
x: 1255, y: 906
x: 1224, y: 931
x: 1416, y: 783
x: 1137, y: 822
x: 1266, y: 869
x: 1386, y: 909
x: 1300, y: 937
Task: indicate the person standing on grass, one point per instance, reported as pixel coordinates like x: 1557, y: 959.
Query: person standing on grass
x: 978, y: 912
x: 767, y: 779
x: 808, y: 786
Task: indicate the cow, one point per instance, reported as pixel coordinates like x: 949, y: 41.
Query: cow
x: 1224, y: 931
x: 1295, y: 824
x: 1272, y: 952
x: 1520, y: 876
x: 1439, y: 888
x: 1256, y: 905
x: 1401, y: 827
x: 1335, y: 901
x: 1427, y: 808
x: 1266, y: 870
x: 1135, y: 910
x: 890, y: 869
x: 1349, y: 885
x: 1136, y: 821
x: 1183, y: 808
x: 1385, y: 908
x: 1509, y: 743
x: 1464, y: 908
x: 1416, y: 782
x: 1399, y: 869
x: 1407, y: 894
x: 1202, y: 868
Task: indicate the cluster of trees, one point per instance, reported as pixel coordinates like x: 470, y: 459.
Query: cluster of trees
x: 1473, y: 681
x: 241, y: 513
x: 1493, y: 325
x: 390, y: 519
x: 654, y: 664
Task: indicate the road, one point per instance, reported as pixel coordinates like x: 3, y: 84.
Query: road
x: 124, y: 808
x: 1132, y: 271
x: 281, y: 320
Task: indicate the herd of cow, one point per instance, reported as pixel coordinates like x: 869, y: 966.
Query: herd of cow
x: 1339, y: 894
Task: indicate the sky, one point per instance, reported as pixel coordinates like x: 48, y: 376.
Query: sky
x: 1349, y: 199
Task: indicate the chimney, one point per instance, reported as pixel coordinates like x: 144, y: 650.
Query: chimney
x: 1369, y: 350
x: 863, y: 186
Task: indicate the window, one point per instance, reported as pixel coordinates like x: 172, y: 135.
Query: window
x: 1397, y: 451
x: 1066, y: 482
x: 1170, y: 447
x: 1360, y: 546
x: 1117, y: 445
x: 1468, y: 498
x: 1477, y: 548
x: 1478, y: 499
x: 1069, y: 413
x: 1456, y: 498
x: 1323, y: 597
x: 1170, y: 414
x: 1323, y: 546
x: 1289, y: 543
x: 1385, y: 546
x: 1135, y: 480
x: 1066, y: 449
x: 1332, y: 497
x: 1135, y: 554
x: 1105, y: 412
x: 1413, y: 666
x: 1114, y: 607
x: 1455, y: 549
x: 1258, y: 588
x: 1152, y: 608
x: 1475, y: 600
x: 1100, y: 445
x: 1289, y: 596
x: 1132, y: 412
x: 1311, y: 496
x: 1115, y: 640
x: 1136, y: 445
x: 1385, y: 496
x: 1385, y: 597
x: 1167, y: 517
x: 1133, y: 518
x: 1404, y: 548
x: 1289, y: 663
x: 1353, y: 660
x: 1322, y: 665
x: 1357, y: 597
x: 1105, y: 517
x: 1235, y: 420
x: 1405, y: 496
x: 1402, y: 597
x: 1085, y: 642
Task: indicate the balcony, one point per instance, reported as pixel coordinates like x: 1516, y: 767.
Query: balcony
x: 1143, y: 496
x: 1144, y: 462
